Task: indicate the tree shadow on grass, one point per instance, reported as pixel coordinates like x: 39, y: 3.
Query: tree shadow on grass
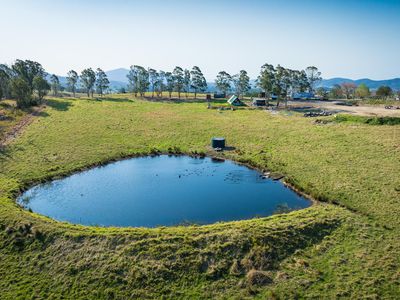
x: 183, y: 100
x: 59, y: 105
x: 110, y: 99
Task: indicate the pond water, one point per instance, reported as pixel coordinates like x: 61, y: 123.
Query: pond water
x: 161, y: 191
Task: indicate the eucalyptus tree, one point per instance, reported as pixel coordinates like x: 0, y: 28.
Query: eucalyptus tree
x: 41, y: 86
x: 102, y: 82
x: 279, y: 87
x: 143, y: 80
x: 266, y: 79
x: 138, y: 78
x: 198, y: 82
x: 313, y: 76
x: 21, y: 84
x: 133, y: 79
x: 28, y: 70
x: 88, y: 79
x: 6, y: 74
x: 303, y: 83
x: 153, y: 77
x: 170, y: 80
x: 160, y: 85
x: 179, y: 80
x: 241, y: 83
x: 55, y: 84
x: 186, y: 81
x: 72, y: 80
x: 21, y: 91
x: 223, y: 82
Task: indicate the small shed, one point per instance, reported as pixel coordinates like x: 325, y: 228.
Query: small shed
x: 235, y: 101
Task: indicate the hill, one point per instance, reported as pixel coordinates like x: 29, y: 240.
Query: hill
x: 372, y: 84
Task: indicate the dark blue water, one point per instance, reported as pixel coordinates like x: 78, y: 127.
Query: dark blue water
x: 161, y: 190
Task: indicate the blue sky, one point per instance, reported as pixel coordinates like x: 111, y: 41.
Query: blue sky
x: 355, y: 39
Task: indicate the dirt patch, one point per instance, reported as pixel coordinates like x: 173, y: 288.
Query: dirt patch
x: 361, y: 110
x: 17, y: 129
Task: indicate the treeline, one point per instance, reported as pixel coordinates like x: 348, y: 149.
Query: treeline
x: 27, y: 82
x: 279, y: 81
x: 283, y: 83
x: 349, y: 90
x: 179, y: 80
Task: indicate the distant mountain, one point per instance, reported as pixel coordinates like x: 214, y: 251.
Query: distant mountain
x: 118, y: 75
x: 372, y: 84
x: 114, y: 84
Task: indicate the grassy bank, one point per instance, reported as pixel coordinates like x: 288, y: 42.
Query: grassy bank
x: 346, y: 246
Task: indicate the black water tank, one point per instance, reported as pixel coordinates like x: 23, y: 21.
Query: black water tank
x: 218, y: 142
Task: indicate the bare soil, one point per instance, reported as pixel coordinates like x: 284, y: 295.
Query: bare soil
x: 361, y: 110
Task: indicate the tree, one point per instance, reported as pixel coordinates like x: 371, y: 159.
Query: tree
x: 348, y: 89
x: 153, y: 76
x: 55, y: 84
x: 223, y: 82
x: 303, y: 83
x: 21, y: 91
x: 186, y: 81
x: 88, y: 78
x: 282, y: 84
x: 336, y: 92
x: 313, y: 77
x: 41, y: 86
x: 160, y: 86
x: 322, y: 92
x: 6, y: 75
x: 179, y: 82
x: 169, y: 78
x: 143, y: 80
x: 384, y: 92
x: 266, y: 79
x: 241, y: 83
x: 102, y: 82
x: 138, y: 78
x: 363, y: 91
x: 28, y: 70
x: 199, y: 83
x: 133, y: 80
x: 72, y: 80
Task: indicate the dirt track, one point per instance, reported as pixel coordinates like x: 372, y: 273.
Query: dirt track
x: 16, y: 130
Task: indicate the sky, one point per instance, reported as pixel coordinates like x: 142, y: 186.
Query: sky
x: 353, y: 39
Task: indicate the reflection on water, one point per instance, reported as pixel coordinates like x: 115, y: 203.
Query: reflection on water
x: 161, y: 190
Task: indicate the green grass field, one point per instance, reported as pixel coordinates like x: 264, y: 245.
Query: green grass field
x: 345, y: 246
